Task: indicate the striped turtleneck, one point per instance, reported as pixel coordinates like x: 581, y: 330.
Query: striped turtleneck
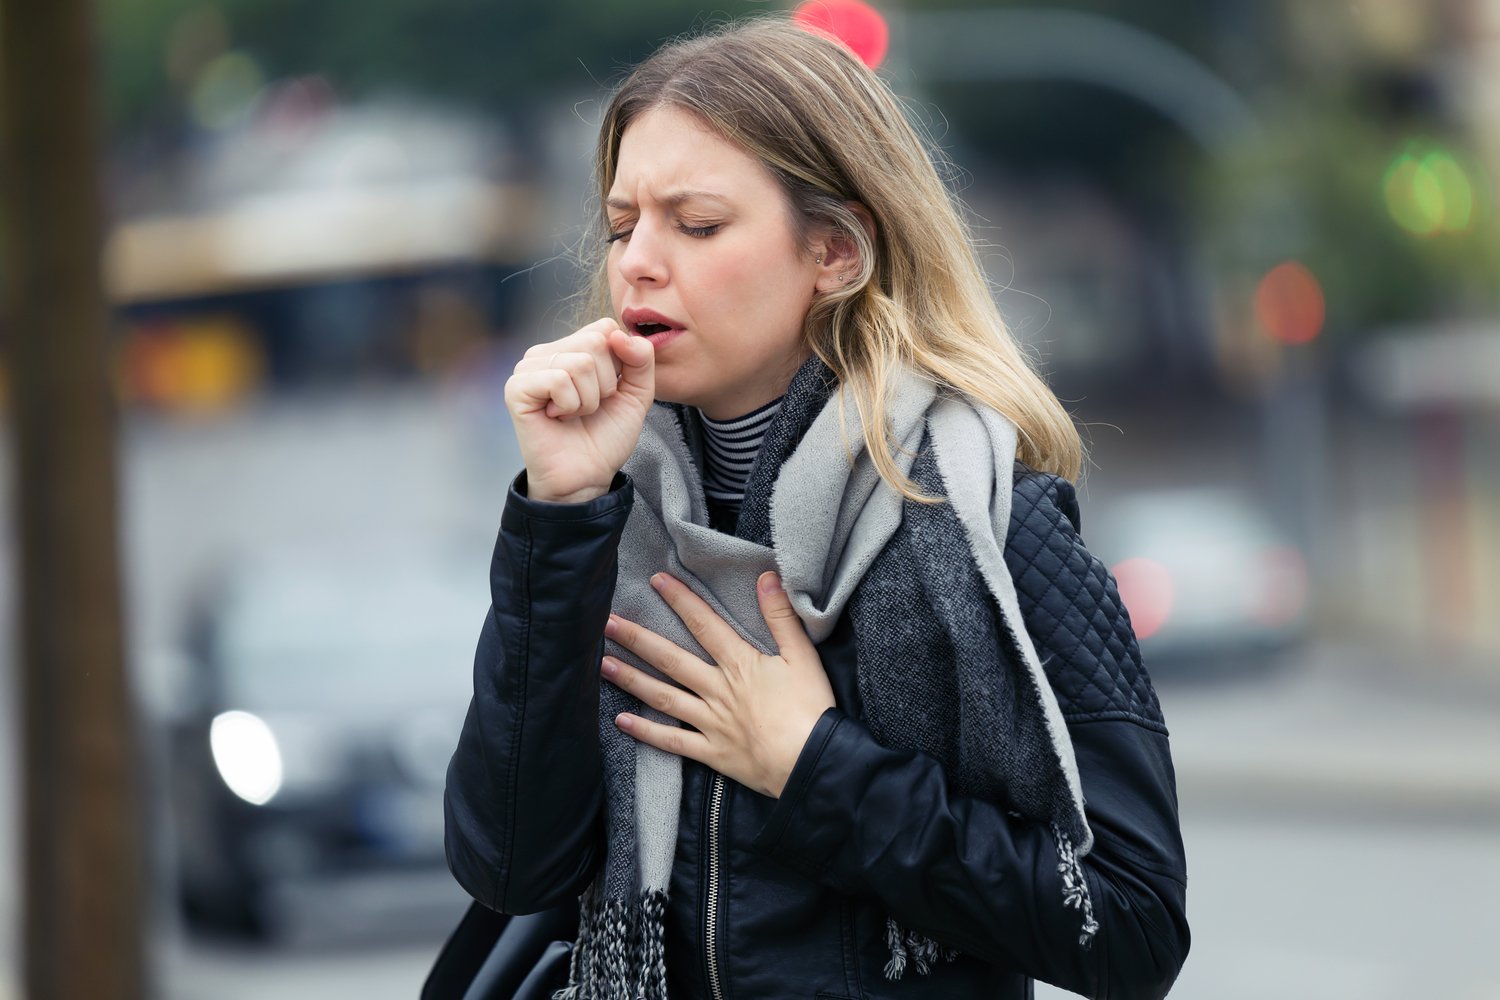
x: 729, y: 450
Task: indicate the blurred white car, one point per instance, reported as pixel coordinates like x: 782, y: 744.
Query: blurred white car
x: 323, y: 702
x: 1205, y: 574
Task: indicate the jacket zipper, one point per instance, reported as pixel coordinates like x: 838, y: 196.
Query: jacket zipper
x: 711, y: 912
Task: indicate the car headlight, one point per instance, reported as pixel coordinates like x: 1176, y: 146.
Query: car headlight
x: 246, y: 755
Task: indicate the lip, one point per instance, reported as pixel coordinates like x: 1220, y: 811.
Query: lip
x: 630, y: 317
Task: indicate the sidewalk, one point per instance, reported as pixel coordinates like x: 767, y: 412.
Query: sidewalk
x: 1343, y: 730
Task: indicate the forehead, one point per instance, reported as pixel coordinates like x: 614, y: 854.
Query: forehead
x: 667, y: 152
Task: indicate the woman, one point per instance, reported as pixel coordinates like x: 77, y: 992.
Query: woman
x: 872, y: 721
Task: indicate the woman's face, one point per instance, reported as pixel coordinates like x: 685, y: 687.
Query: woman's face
x: 704, y: 247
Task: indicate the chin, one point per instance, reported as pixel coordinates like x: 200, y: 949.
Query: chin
x: 670, y: 390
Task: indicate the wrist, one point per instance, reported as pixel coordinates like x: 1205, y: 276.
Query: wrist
x: 792, y: 752
x: 542, y: 492
x: 583, y: 495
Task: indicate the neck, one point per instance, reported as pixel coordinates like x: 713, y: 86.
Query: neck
x: 730, y: 447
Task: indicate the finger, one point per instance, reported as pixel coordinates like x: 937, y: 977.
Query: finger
x: 606, y: 365
x: 607, y: 371
x: 713, y: 633
x: 551, y: 390
x: 637, y: 364
x: 579, y: 340
x: 684, y: 706
x: 672, y: 739
x: 665, y: 655
x: 776, y: 608
x: 581, y: 368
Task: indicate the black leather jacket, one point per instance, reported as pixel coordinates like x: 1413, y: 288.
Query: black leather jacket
x: 799, y: 887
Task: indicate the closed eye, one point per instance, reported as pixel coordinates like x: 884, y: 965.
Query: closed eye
x: 696, y: 231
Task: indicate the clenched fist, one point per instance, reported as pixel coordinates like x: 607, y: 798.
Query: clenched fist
x: 578, y: 405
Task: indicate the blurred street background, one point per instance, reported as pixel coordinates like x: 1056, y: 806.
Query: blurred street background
x: 1252, y: 243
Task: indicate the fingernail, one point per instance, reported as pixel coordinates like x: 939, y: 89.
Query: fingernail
x: 610, y: 667
x: 611, y: 627
x: 624, y: 721
x: 770, y: 583
x: 657, y: 581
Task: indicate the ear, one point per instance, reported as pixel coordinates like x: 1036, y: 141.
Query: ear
x: 838, y: 255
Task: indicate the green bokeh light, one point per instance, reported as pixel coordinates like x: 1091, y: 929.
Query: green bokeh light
x: 1428, y: 193
x: 1458, y: 194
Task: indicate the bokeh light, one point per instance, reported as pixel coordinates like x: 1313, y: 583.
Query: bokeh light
x: 1289, y: 303
x: 191, y: 367
x: 856, y: 24
x: 1428, y: 192
x: 1458, y: 194
x: 227, y: 90
x: 1146, y: 588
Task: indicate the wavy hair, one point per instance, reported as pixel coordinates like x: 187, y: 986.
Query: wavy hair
x: 832, y: 132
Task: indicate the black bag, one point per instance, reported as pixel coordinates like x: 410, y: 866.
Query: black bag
x: 492, y: 956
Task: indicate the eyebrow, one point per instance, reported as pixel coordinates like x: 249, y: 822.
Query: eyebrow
x: 673, y: 198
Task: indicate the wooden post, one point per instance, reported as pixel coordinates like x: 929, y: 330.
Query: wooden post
x: 83, y: 857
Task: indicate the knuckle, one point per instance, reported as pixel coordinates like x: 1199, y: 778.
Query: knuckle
x: 665, y: 701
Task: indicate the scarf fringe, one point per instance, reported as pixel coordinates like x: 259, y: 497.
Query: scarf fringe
x: 909, y: 947
x: 917, y: 949
x: 619, y: 954
x: 1075, y: 886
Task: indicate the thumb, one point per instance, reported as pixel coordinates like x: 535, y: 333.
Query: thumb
x: 637, y: 365
x: 776, y: 608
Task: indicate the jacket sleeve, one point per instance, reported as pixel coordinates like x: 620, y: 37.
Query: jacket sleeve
x: 523, y: 802
x: 884, y: 823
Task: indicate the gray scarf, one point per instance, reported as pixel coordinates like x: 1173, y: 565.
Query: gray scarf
x: 841, y: 540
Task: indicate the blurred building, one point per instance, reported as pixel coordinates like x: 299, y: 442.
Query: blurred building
x: 314, y: 242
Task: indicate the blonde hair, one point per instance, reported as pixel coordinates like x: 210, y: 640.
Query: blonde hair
x: 832, y: 133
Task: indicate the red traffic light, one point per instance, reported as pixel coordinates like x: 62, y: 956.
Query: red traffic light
x: 856, y: 24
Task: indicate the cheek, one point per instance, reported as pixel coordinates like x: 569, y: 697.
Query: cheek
x: 767, y: 283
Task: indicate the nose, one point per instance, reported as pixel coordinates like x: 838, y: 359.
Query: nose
x: 643, y: 260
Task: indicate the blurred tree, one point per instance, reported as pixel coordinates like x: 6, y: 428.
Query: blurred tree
x: 500, y: 57
x: 83, y: 859
x: 1388, y: 206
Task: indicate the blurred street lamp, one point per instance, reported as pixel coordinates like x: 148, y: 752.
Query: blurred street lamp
x: 1043, y: 44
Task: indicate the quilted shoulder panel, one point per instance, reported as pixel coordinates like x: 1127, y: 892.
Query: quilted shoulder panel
x: 1072, y: 607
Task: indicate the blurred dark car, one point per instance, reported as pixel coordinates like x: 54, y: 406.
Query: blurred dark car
x: 322, y: 703
x: 1209, y: 581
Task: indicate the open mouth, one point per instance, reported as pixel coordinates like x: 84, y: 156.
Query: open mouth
x: 648, y: 323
